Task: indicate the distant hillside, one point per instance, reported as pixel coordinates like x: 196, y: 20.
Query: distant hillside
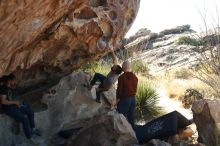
x: 171, y: 48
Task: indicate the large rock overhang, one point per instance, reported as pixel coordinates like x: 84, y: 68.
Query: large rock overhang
x: 50, y: 36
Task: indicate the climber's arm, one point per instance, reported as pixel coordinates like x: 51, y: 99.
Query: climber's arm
x: 114, y: 57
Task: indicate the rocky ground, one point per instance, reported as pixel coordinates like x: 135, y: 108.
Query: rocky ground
x: 70, y: 105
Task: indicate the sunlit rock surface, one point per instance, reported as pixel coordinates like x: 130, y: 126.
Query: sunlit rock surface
x: 69, y: 102
x: 206, y: 114
x: 50, y: 35
x: 107, y: 130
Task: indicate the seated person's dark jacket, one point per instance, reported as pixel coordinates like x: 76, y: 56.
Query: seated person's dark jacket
x: 9, y: 93
x: 0, y: 100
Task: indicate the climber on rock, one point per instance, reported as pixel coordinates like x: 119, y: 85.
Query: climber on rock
x: 19, y: 111
x: 106, y: 82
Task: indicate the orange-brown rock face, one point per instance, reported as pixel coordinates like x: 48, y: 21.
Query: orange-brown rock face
x: 60, y: 34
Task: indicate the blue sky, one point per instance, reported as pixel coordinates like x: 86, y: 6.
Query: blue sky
x: 158, y: 15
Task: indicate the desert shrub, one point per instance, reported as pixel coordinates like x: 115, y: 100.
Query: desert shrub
x: 103, y: 68
x: 209, y: 65
x: 189, y: 41
x: 146, y: 106
x: 89, y: 67
x: 96, y: 66
x: 190, y: 96
x: 182, y: 73
x: 139, y: 66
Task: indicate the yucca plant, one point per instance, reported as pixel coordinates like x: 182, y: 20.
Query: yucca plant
x: 146, y: 104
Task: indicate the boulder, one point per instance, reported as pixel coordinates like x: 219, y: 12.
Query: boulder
x: 155, y: 142
x: 184, y: 143
x: 183, y: 135
x: 140, y: 33
x: 213, y: 38
x: 109, y: 99
x: 7, y: 136
x: 62, y: 34
x: 206, y: 115
x: 11, y: 133
x: 177, y: 30
x: 107, y: 130
x: 69, y: 105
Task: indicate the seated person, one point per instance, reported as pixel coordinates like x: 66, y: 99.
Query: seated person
x: 20, y: 112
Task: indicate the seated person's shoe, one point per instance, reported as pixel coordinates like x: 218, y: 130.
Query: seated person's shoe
x: 36, y: 132
x: 33, y: 142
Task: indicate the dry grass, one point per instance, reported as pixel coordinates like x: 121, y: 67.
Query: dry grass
x: 178, y: 80
x: 182, y: 73
x: 177, y: 87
